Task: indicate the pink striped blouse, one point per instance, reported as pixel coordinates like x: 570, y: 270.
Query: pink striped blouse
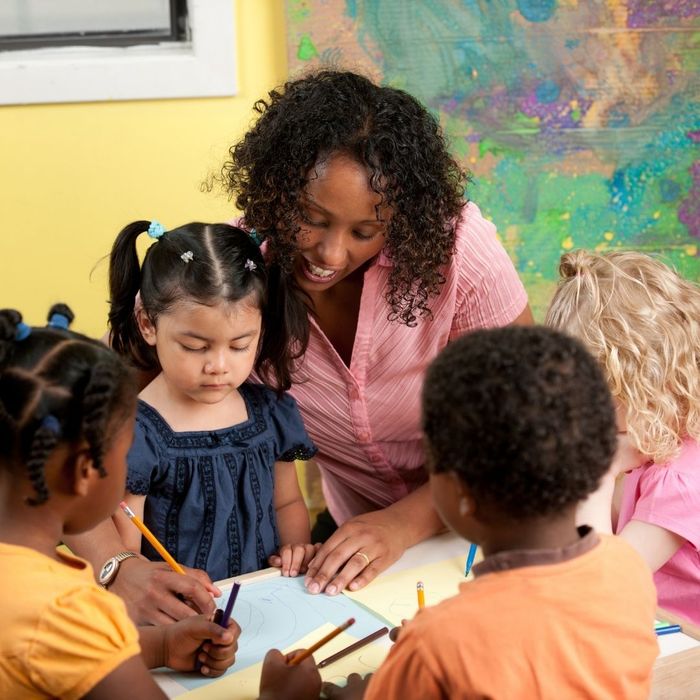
x: 365, y: 419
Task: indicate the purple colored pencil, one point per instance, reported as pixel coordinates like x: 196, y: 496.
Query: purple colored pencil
x: 229, y: 605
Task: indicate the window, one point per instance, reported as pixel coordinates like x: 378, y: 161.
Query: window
x: 76, y: 51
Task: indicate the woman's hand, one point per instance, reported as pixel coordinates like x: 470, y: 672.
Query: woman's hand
x: 279, y: 681
x: 294, y: 559
x: 355, y: 553
x: 200, y: 639
x: 156, y: 595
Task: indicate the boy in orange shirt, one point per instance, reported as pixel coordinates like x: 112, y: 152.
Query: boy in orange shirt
x: 520, y: 428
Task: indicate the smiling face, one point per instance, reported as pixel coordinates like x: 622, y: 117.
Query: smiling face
x: 205, y: 352
x: 341, y: 228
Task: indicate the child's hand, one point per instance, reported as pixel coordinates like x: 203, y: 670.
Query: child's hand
x: 354, y: 690
x: 279, y: 681
x: 199, y: 639
x: 294, y: 559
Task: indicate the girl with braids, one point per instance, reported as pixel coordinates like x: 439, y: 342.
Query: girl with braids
x: 641, y: 321
x: 352, y: 189
x: 66, y: 422
x: 211, y: 470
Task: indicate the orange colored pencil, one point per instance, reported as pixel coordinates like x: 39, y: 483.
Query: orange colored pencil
x: 314, y: 647
x: 152, y: 539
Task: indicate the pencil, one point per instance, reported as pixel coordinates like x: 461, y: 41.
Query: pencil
x: 421, y: 595
x: 353, y: 647
x: 307, y: 652
x: 470, y: 559
x: 152, y: 539
x: 229, y: 605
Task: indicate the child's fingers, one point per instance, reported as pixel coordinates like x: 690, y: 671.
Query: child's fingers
x: 299, y: 554
x: 275, y: 560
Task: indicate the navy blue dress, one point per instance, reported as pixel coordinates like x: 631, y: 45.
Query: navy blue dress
x: 210, y: 494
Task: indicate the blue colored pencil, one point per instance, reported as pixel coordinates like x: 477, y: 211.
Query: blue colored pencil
x: 470, y: 559
x: 667, y: 629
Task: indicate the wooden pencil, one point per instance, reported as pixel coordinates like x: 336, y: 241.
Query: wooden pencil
x: 152, y: 539
x: 353, y: 647
x: 314, y: 647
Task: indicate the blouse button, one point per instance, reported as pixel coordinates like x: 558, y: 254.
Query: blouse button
x: 354, y: 394
x: 363, y: 436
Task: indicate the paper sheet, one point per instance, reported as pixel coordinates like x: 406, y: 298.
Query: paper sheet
x: 394, y: 596
x: 244, y: 684
x: 276, y: 614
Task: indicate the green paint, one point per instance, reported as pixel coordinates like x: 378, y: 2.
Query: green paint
x: 576, y: 114
x: 297, y: 10
x: 306, y: 50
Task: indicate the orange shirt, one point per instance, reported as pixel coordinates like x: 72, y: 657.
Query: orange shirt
x: 61, y: 633
x: 580, y: 624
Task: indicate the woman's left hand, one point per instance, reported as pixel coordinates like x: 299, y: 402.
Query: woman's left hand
x: 355, y: 553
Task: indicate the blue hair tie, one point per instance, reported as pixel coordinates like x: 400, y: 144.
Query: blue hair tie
x: 59, y: 321
x: 156, y: 229
x: 254, y: 237
x: 22, y: 331
x: 52, y: 424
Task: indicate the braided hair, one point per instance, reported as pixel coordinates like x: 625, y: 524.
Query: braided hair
x: 56, y: 387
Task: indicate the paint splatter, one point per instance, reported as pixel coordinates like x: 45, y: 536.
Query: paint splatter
x: 537, y: 10
x: 306, y: 50
x: 577, y: 130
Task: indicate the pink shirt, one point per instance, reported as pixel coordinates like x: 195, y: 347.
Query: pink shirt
x: 365, y: 419
x: 668, y: 495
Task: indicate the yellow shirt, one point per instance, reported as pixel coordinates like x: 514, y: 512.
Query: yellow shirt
x: 61, y: 633
x: 578, y: 625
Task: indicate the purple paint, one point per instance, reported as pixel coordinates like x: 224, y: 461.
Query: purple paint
x: 689, y: 210
x: 643, y: 13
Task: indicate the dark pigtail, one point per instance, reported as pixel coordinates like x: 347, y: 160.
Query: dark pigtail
x: 43, y: 443
x: 124, y: 284
x: 285, y: 329
x: 97, y: 400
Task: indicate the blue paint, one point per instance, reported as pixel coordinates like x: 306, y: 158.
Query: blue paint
x: 669, y: 190
x: 572, y: 43
x: 537, y: 10
x: 547, y: 91
x: 618, y: 119
x: 351, y: 8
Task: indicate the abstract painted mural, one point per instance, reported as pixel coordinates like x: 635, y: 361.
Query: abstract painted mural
x: 578, y: 119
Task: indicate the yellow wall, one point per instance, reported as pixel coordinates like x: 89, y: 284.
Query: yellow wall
x: 73, y: 174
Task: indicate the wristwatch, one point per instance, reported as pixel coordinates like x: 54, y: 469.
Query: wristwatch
x: 109, y: 569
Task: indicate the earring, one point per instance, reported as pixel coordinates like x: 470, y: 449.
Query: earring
x: 463, y: 506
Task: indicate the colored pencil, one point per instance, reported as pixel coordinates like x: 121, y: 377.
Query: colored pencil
x: 470, y: 559
x: 229, y: 605
x: 152, y: 539
x: 307, y: 652
x: 667, y: 629
x: 353, y: 647
x: 421, y: 595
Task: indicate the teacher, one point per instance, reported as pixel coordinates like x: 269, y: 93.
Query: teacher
x: 351, y: 188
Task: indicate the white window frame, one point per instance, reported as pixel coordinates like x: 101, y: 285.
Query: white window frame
x: 205, y: 66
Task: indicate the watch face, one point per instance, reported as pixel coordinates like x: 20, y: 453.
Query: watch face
x: 108, y: 570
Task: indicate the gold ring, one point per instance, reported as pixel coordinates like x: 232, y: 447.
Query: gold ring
x: 364, y: 556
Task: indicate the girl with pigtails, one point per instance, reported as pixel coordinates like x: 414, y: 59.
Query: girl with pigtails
x: 66, y: 421
x: 211, y: 471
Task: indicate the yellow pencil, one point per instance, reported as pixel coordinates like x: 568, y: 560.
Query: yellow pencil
x: 421, y: 595
x: 152, y: 539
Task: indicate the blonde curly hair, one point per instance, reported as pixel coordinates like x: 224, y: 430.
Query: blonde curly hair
x: 641, y: 321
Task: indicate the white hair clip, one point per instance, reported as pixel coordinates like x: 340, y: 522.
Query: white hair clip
x: 187, y: 256
x: 250, y: 265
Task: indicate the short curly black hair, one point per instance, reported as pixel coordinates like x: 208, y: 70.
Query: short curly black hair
x: 385, y: 129
x: 523, y: 415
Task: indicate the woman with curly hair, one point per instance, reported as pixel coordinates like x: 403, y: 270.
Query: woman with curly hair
x: 642, y: 322
x: 350, y: 187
